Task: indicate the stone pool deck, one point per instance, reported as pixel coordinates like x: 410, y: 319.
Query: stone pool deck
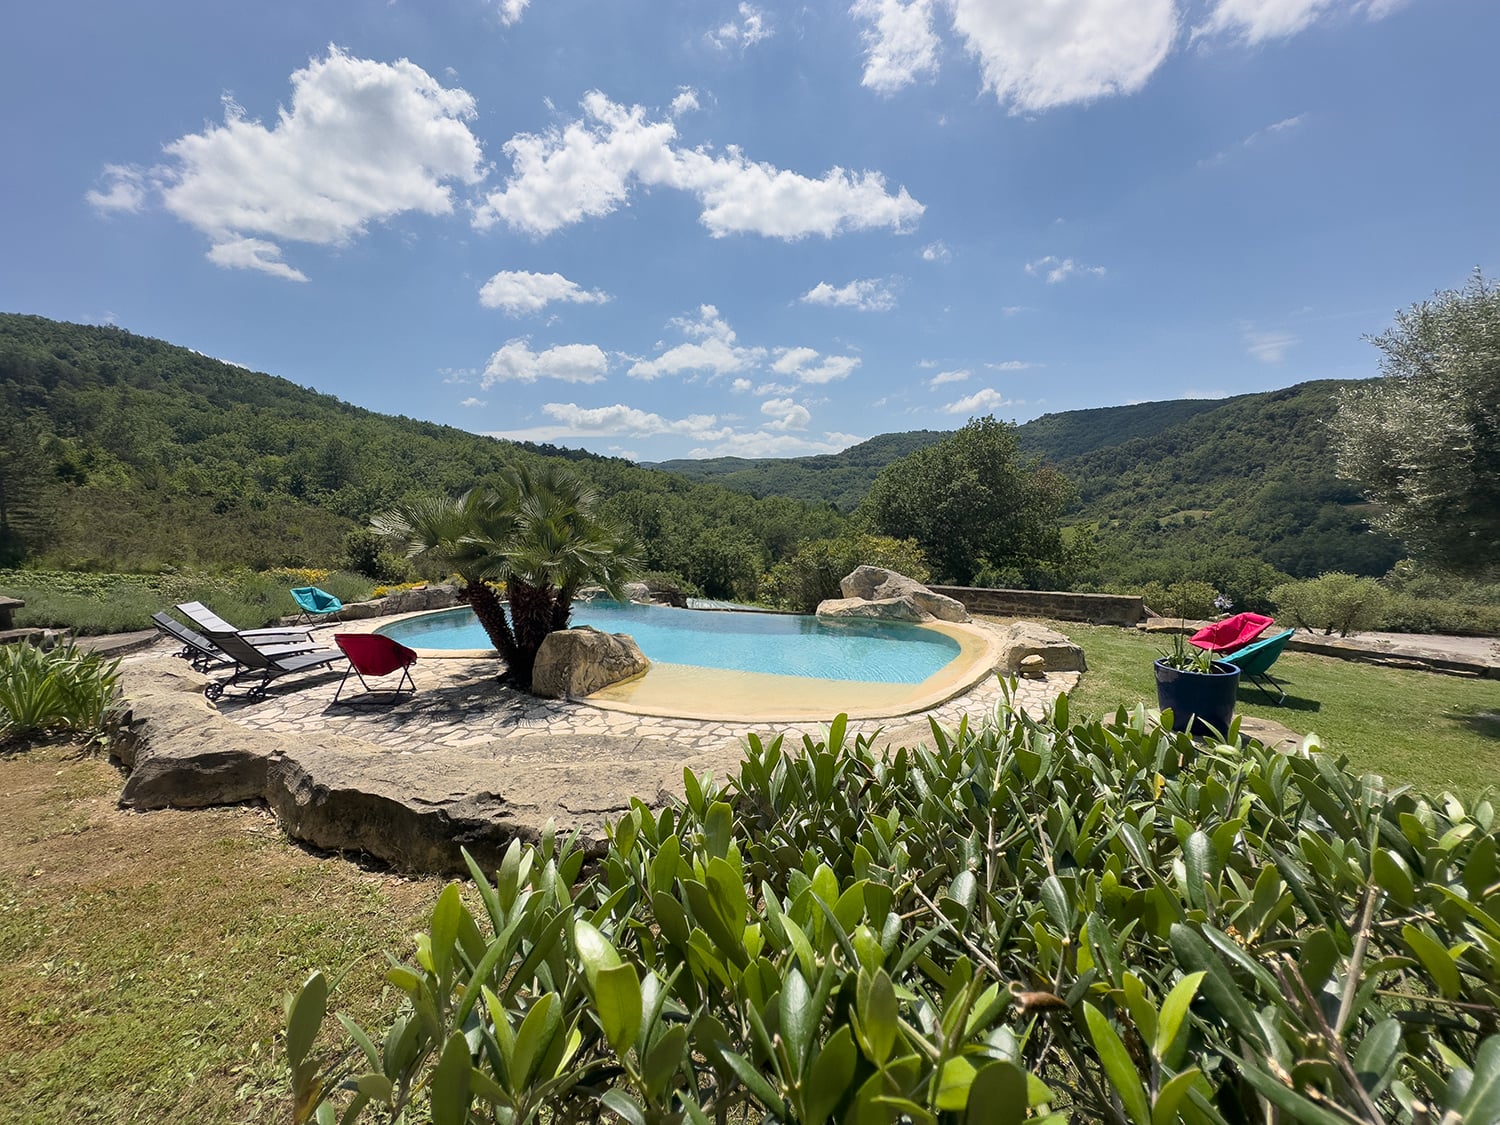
x: 465, y: 761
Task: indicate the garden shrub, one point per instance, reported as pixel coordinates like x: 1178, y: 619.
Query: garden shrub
x: 1333, y: 601
x: 1032, y: 920
x: 1184, y: 598
x: 64, y: 690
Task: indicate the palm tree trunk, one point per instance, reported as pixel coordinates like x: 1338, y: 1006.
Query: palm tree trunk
x: 531, y: 610
x: 488, y: 608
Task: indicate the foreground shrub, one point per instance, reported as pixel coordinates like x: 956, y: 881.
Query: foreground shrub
x: 1187, y: 598
x: 65, y: 690
x: 1031, y: 921
x: 1333, y: 601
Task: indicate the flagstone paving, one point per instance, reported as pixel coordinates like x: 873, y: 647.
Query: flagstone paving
x: 461, y: 706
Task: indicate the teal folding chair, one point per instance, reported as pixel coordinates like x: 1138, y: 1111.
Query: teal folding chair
x: 1255, y: 662
x: 315, y: 602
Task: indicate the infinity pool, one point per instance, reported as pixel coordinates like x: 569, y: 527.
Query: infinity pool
x: 877, y: 652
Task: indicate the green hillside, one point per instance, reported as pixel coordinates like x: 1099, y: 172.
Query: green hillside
x: 841, y: 479
x: 122, y: 452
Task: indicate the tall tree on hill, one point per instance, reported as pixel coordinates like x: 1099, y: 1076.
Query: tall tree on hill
x: 972, y: 501
x: 536, y: 532
x: 1425, y: 439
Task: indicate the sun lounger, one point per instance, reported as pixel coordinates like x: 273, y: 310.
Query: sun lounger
x: 211, y: 623
x: 255, y: 658
x: 204, y: 654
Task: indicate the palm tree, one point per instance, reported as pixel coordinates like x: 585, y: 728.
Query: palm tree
x: 536, y: 531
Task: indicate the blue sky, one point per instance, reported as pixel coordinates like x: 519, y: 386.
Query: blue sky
x: 690, y: 229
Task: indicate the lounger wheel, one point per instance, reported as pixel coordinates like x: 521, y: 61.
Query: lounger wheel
x: 213, y: 691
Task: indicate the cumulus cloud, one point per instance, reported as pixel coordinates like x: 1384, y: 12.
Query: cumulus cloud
x: 900, y: 44
x: 471, y: 401
x: 362, y: 141
x: 518, y: 292
x: 510, y: 10
x: 944, y: 377
x: 1255, y: 21
x: 1268, y: 347
x: 685, y: 101
x: 980, y: 402
x: 808, y: 365
x: 868, y: 295
x: 125, y: 189
x: 1060, y: 269
x: 740, y: 386
x: 622, y: 419
x: 588, y: 168
x: 712, y: 348
x: 761, y: 443
x: 786, y: 414
x: 936, y: 252
x: 747, y: 31
x: 570, y: 363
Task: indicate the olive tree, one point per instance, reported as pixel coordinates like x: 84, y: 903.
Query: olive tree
x: 1425, y: 438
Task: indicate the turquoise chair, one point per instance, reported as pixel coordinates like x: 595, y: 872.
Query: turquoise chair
x: 315, y: 602
x: 1255, y: 661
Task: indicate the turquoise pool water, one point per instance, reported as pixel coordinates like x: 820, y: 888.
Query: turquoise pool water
x: 781, y: 644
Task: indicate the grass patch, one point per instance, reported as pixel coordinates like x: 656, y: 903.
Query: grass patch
x: 147, y: 954
x: 1433, y: 731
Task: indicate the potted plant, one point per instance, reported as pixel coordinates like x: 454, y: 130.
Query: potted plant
x: 1199, y: 690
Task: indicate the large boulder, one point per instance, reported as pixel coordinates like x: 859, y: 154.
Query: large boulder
x: 576, y: 662
x: 876, y: 583
x: 883, y: 609
x: 1023, y: 639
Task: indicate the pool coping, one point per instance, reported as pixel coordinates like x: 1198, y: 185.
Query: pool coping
x: 668, y: 697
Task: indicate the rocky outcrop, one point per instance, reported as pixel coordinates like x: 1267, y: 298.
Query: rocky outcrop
x: 1023, y: 639
x: 884, y: 609
x: 652, y: 592
x: 573, y: 663
x: 415, y: 811
x: 875, y: 583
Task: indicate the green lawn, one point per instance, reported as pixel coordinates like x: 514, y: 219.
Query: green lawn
x: 1434, y: 731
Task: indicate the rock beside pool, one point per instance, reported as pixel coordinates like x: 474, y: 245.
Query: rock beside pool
x: 876, y: 583
x: 1025, y: 639
x: 883, y: 609
x: 576, y: 662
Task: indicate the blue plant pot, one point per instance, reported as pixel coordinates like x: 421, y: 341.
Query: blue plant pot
x: 1201, y: 702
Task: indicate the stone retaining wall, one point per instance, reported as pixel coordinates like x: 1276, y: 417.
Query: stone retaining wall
x: 1097, y: 609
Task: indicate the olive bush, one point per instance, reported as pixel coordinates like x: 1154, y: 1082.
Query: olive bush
x: 1332, y: 602
x: 1031, y: 920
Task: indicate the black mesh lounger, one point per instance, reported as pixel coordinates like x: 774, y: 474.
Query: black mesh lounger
x: 255, y: 658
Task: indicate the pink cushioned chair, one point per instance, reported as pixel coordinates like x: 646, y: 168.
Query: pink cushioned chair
x: 374, y: 654
x: 1232, y: 633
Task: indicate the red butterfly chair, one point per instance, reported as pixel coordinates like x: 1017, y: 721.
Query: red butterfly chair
x: 1232, y: 633
x: 374, y: 654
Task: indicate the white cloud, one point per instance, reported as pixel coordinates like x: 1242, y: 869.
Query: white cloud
x: 900, y: 44
x: 944, y: 377
x: 685, y: 102
x: 1268, y: 347
x: 760, y: 443
x: 978, y: 403
x: 787, y: 415
x: 588, y: 168
x: 750, y: 30
x: 571, y: 363
x: 1060, y: 269
x: 471, y: 401
x: 1037, y: 56
x: 1285, y: 125
x: 868, y: 295
x: 510, y: 10
x: 740, y: 386
x: 1014, y: 310
x: 713, y: 349
x: 936, y: 252
x: 126, y: 189
x: 1255, y: 21
x: 1013, y: 365
x: 628, y: 420
x: 517, y: 292
x: 807, y: 365
x: 361, y: 141
x: 252, y: 254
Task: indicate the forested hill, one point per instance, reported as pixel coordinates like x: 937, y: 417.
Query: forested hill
x: 841, y: 479
x: 121, y: 451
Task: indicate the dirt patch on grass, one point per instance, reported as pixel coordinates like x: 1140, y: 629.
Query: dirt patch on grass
x: 148, y: 953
